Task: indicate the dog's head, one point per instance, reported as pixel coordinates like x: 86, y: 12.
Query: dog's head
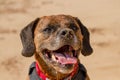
x: 56, y: 42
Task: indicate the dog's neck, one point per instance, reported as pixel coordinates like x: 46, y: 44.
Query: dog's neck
x: 50, y: 72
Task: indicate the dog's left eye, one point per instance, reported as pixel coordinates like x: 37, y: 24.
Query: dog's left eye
x: 73, y: 27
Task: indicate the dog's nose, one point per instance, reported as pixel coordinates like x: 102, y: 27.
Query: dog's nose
x: 66, y: 33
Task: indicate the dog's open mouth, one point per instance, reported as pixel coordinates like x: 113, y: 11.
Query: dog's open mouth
x: 66, y: 55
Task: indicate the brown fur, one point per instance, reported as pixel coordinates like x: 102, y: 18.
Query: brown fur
x: 41, y: 40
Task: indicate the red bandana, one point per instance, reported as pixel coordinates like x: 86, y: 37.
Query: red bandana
x: 43, y: 77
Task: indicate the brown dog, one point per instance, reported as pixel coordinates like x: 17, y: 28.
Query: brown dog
x: 56, y: 42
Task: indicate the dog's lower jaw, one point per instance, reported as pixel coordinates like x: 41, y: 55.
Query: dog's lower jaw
x: 49, y: 72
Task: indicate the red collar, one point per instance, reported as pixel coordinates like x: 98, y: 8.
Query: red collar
x: 40, y: 73
x: 43, y: 76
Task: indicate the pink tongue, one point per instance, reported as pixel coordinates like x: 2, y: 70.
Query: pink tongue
x: 65, y: 60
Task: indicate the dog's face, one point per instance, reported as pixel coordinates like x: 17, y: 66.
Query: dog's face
x: 57, y: 41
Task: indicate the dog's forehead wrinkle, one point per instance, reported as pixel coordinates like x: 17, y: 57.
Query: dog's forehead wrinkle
x: 44, y: 21
x: 57, y: 19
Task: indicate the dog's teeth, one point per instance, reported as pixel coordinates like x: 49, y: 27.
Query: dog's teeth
x: 53, y: 57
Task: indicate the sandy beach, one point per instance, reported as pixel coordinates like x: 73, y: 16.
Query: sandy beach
x: 101, y: 17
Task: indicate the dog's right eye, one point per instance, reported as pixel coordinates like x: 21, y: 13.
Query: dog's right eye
x: 48, y: 30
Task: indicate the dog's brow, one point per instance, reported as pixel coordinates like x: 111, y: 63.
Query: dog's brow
x: 53, y: 25
x: 70, y: 24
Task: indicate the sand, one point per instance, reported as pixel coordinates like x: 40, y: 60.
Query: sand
x: 102, y: 18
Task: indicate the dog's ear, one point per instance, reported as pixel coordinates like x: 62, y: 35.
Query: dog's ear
x: 27, y: 35
x: 86, y: 47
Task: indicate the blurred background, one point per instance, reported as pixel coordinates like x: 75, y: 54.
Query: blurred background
x: 101, y: 17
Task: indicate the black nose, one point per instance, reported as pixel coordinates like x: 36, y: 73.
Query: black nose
x: 67, y: 33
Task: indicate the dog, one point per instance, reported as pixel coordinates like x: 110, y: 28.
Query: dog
x: 56, y: 41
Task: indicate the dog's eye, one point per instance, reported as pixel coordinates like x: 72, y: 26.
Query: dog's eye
x: 73, y: 27
x: 48, y: 30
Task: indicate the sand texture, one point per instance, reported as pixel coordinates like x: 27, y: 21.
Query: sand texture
x: 102, y: 18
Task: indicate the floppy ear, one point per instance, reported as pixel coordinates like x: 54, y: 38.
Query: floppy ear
x: 27, y: 35
x: 86, y: 47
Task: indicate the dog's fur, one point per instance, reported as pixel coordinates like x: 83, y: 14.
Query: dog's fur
x: 51, y: 33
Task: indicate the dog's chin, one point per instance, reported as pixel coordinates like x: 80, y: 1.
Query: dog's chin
x: 63, y: 60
